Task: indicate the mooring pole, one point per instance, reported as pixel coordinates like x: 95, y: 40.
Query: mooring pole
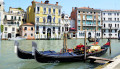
x: 110, y: 39
x: 85, y: 46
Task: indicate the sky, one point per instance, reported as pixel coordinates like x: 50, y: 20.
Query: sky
x: 67, y: 4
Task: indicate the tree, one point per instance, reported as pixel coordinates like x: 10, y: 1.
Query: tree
x: 2, y: 28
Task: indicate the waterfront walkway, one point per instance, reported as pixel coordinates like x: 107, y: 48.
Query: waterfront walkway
x: 114, y: 65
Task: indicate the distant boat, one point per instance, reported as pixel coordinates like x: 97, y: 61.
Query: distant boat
x: 17, y: 38
x: 67, y: 56
x: 119, y: 38
x: 26, y: 54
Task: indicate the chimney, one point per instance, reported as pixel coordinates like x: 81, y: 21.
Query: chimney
x: 72, y: 8
x: 47, y: 2
x: 41, y: 2
x: 57, y: 3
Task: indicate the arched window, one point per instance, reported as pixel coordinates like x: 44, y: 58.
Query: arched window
x: 49, y: 19
x: 104, y: 25
x: 54, y: 20
x: 44, y: 20
x: 18, y: 23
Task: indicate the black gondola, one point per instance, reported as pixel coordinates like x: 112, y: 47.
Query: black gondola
x: 64, y: 57
x: 91, y: 39
x: 26, y: 54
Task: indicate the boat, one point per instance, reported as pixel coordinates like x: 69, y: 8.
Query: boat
x: 91, y: 39
x: 119, y: 38
x: 26, y: 54
x: 17, y: 38
x: 66, y: 56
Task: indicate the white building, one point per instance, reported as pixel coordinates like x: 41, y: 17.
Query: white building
x: 1, y: 11
x: 12, y: 21
x: 111, y: 18
x: 65, y: 23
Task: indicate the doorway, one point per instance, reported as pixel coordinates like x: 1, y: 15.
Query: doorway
x: 48, y: 33
x: 9, y: 35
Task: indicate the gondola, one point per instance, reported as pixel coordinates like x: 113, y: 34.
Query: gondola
x: 26, y: 54
x: 91, y: 39
x: 65, y: 57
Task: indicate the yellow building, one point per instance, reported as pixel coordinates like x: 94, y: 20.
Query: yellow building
x: 47, y: 19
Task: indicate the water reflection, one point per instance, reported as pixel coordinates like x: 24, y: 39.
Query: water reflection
x: 11, y: 61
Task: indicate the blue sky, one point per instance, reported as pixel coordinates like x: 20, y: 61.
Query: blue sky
x: 67, y: 4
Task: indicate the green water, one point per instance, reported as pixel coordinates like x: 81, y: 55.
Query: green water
x: 9, y: 60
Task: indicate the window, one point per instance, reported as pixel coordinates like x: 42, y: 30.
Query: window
x: 15, y: 17
x: 49, y: 10
x: 109, y: 19
x: 117, y: 19
x: 104, y: 30
x: 38, y: 19
x: 44, y: 10
x: 117, y: 14
x: 5, y: 16
x: 103, y: 13
x: 118, y: 25
x: 18, y: 23
x: 19, y: 18
x: 25, y: 28
x: 13, y: 29
x: 115, y: 25
x: 38, y: 9
x: 114, y: 13
x: 109, y: 13
x: 5, y: 28
x: 115, y: 30
x: 53, y: 30
x: 11, y: 11
x: 37, y: 28
x: 31, y: 34
x: 53, y: 11
x: 78, y: 28
x: 44, y: 20
x: 54, y: 20
x: 59, y: 11
x: 25, y: 34
x: 44, y: 29
x: 49, y: 19
x: 11, y: 17
x: 78, y: 11
x: 104, y: 18
x: 83, y: 11
x: 104, y: 25
x: 31, y: 28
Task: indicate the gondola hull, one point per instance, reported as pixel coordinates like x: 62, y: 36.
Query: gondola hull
x: 67, y: 57
x: 24, y: 54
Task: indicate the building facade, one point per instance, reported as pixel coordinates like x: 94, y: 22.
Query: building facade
x: 27, y: 30
x: 111, y: 18
x: 12, y: 21
x: 87, y: 19
x: 47, y: 19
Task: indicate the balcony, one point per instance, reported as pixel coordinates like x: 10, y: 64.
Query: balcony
x: 109, y: 27
x: 49, y: 24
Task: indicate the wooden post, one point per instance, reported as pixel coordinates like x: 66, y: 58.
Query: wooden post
x: 110, y: 40
x: 85, y: 46
x: 95, y: 36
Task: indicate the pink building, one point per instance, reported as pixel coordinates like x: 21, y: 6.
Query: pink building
x: 27, y: 30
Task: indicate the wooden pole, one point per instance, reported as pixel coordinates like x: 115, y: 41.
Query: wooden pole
x: 110, y: 40
x: 85, y: 46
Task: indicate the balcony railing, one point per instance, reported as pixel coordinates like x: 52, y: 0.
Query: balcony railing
x: 49, y: 24
x: 109, y: 27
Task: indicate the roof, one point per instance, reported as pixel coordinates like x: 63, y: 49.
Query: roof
x: 44, y: 3
x: 88, y: 8
x: 112, y: 10
x: 28, y: 24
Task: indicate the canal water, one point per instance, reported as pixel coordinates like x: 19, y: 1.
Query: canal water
x: 9, y: 60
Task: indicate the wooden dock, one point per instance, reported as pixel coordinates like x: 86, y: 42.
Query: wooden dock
x: 99, y: 59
